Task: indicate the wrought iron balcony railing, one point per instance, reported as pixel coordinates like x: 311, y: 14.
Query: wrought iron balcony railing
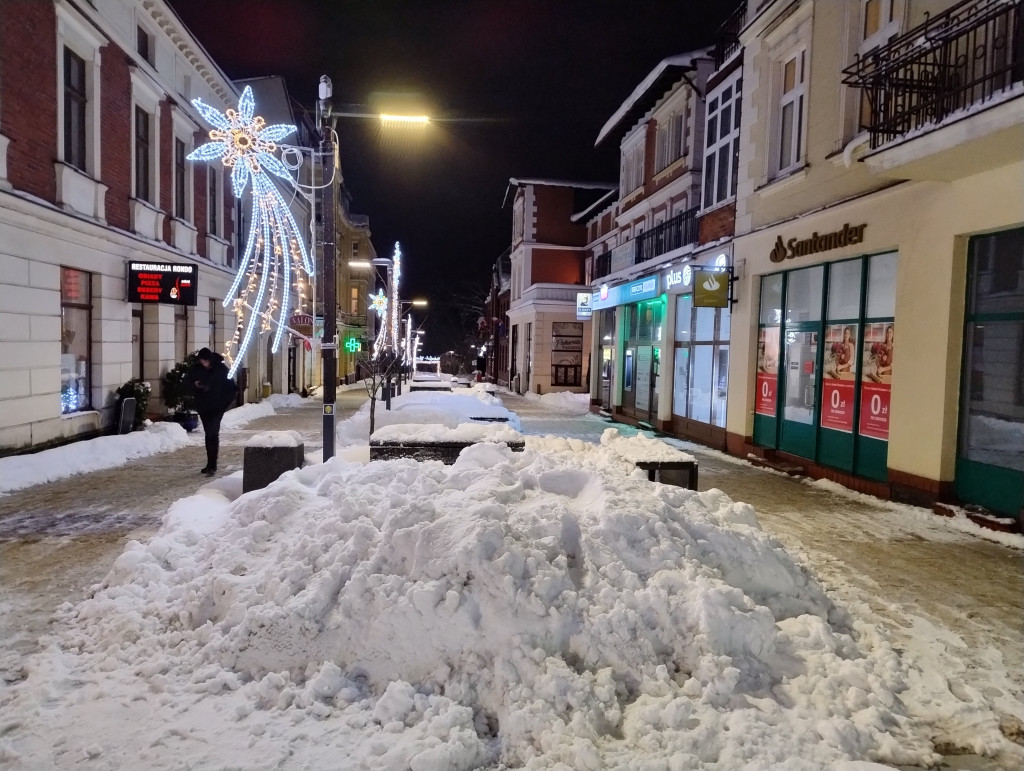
x: 675, y: 233
x: 962, y: 57
x: 728, y: 39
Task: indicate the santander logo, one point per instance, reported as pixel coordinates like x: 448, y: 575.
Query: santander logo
x: 711, y: 284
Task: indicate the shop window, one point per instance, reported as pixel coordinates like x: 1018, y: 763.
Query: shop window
x: 566, y: 353
x: 627, y: 380
x: 844, y: 289
x: 181, y: 349
x: 881, y: 301
x: 76, y: 339
x: 684, y: 311
x: 803, y: 295
x: 771, y: 299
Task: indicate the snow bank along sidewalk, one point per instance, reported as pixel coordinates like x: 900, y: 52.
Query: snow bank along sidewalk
x: 545, y: 609
x: 20, y: 471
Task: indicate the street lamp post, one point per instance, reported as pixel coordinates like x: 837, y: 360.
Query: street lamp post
x: 330, y: 288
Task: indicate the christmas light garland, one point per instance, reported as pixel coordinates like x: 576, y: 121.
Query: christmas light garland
x: 274, y: 247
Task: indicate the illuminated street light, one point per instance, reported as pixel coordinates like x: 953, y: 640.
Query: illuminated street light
x: 359, y: 263
x: 388, y: 118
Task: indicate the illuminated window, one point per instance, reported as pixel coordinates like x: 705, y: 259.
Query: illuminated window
x: 791, y: 112
x: 76, y: 339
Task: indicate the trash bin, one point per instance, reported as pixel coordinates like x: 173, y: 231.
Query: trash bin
x: 266, y: 390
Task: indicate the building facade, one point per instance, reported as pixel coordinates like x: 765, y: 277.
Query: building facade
x: 495, y: 322
x: 549, y: 347
x: 880, y: 210
x: 662, y: 361
x: 95, y: 123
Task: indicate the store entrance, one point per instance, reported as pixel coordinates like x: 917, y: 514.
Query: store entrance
x: 800, y: 390
x: 990, y: 456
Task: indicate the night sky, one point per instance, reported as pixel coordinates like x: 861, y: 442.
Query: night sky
x: 521, y: 88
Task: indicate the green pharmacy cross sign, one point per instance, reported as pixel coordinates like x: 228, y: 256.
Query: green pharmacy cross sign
x: 352, y: 345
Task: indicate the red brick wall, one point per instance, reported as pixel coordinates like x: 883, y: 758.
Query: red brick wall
x: 717, y: 224
x: 556, y: 266
x: 28, y: 44
x: 166, y: 171
x: 554, y: 207
x: 116, y: 136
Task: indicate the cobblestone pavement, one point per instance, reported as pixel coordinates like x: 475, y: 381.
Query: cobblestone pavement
x: 59, y: 539
x: 908, y: 571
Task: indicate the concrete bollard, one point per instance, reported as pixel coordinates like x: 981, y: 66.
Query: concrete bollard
x: 268, y: 455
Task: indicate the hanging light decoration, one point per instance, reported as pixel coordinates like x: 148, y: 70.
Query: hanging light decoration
x: 274, y: 246
x: 379, y: 305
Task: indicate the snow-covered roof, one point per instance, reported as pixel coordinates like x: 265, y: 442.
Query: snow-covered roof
x: 670, y: 67
x: 600, y: 202
x: 515, y: 182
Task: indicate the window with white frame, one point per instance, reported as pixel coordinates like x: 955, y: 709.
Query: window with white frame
x: 144, y: 44
x: 722, y: 141
x: 791, y: 111
x: 878, y: 24
x: 146, y: 138
x: 632, y: 167
x: 671, y: 142
x: 518, y: 220
x: 144, y: 147
x: 355, y: 250
x: 78, y: 87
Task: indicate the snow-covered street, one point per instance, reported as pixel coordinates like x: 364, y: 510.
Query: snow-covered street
x: 544, y: 609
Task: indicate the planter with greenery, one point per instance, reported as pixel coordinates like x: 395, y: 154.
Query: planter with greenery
x: 140, y: 391
x: 178, y: 394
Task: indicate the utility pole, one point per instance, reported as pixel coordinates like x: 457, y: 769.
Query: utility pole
x: 329, y: 343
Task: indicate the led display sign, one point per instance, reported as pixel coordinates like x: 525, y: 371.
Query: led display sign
x: 163, y: 282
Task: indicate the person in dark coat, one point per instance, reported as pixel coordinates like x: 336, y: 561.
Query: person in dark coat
x: 214, y: 392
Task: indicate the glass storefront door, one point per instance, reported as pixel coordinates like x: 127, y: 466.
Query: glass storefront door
x: 990, y: 458
x: 799, y: 390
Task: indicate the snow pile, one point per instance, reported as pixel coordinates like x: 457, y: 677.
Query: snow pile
x: 21, y: 471
x: 546, y: 609
x: 441, y: 408
x: 564, y: 402
x: 239, y: 416
x: 430, y: 432
x: 284, y: 401
x: 275, y: 439
x: 642, y: 448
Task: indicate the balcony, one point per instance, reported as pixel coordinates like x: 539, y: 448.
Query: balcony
x: 944, y: 99
x: 663, y: 238
x: 728, y: 38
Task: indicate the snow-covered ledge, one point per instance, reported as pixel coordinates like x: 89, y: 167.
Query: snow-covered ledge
x: 184, y: 235
x: 80, y: 193
x: 216, y: 250
x: 4, y: 142
x: 147, y: 221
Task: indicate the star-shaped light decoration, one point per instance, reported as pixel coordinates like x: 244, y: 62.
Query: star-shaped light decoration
x: 379, y: 303
x: 246, y: 145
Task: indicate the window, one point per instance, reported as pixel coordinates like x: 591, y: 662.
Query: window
x: 701, y: 377
x: 213, y: 324
x: 180, y: 178
x: 74, y: 110
x: 212, y: 200
x: 878, y: 25
x: 144, y: 44
x: 355, y: 250
x: 142, y: 153
x: 791, y: 111
x: 671, y: 138
x: 632, y: 168
x: 722, y: 142
x: 181, y: 348
x: 76, y: 326
x: 353, y: 306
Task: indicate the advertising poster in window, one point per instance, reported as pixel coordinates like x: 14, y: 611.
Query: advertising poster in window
x: 838, y: 384
x: 767, y: 370
x: 876, y: 377
x: 644, y: 360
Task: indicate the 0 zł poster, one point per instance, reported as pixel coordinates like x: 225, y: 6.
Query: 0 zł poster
x: 767, y: 370
x: 837, y: 385
x: 876, y: 377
